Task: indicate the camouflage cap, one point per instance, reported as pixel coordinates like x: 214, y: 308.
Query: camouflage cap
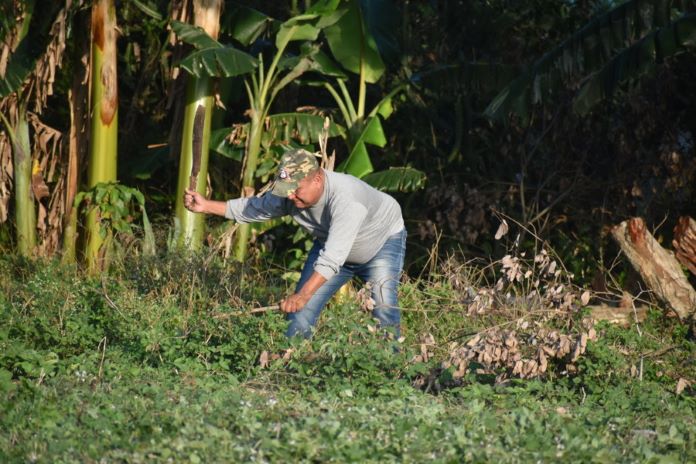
x: 294, y: 166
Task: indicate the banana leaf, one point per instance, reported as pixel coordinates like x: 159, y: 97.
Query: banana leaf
x: 584, y: 52
x: 210, y: 58
x: 397, y: 179
x: 358, y: 162
x: 23, y: 60
x: 305, y: 128
x: 636, y: 60
x: 352, y: 44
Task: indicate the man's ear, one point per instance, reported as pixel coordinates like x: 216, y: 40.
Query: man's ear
x: 317, y: 176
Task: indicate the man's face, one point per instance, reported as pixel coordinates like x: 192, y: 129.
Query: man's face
x: 308, y: 191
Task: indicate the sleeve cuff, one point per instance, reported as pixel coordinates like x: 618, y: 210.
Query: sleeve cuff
x: 324, y: 271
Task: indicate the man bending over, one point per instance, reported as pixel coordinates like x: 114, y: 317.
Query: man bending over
x: 357, y: 230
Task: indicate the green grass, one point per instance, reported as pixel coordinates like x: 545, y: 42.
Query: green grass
x: 136, y: 367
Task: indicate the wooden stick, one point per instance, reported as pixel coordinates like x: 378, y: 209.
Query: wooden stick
x: 262, y: 309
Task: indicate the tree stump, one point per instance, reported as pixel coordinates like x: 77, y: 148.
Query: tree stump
x: 685, y: 242
x: 658, y: 267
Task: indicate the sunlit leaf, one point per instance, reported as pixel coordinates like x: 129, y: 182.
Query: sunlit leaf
x: 194, y: 35
x: 397, y: 179
x: 353, y: 46
x: 295, y: 31
x: 358, y: 162
x: 246, y: 24
x: 219, y: 62
x: 220, y: 145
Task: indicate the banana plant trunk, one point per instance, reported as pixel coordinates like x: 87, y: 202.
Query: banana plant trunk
x: 25, y: 212
x: 241, y: 244
x: 193, y: 161
x: 195, y: 140
x: 104, y: 126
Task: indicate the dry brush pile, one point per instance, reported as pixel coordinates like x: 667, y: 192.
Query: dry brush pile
x: 530, y: 320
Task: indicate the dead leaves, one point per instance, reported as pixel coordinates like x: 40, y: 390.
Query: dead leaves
x: 364, y: 298
x: 523, y: 355
x: 266, y: 358
x: 681, y: 385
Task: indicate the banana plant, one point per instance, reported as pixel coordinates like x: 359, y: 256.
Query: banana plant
x: 262, y: 86
x: 623, y: 42
x: 353, y: 45
x: 102, y: 163
x: 195, y: 140
x: 27, y: 42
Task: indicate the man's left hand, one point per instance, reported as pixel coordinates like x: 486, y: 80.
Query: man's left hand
x: 293, y: 303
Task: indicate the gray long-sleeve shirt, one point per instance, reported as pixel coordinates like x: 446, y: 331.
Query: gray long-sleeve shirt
x: 352, y: 219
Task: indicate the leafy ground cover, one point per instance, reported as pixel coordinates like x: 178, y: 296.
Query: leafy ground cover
x: 153, y: 363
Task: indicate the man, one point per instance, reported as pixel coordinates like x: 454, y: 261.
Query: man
x: 358, y: 231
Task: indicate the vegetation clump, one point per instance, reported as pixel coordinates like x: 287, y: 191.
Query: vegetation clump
x: 157, y: 361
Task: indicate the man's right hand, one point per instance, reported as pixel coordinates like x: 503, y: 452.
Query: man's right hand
x: 194, y: 201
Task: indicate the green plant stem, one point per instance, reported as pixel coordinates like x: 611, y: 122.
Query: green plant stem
x: 241, y: 241
x: 25, y: 213
x: 339, y: 102
x: 348, y: 102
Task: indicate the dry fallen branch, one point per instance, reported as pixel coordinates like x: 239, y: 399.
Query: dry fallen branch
x: 622, y: 315
x: 657, y: 266
x: 685, y: 242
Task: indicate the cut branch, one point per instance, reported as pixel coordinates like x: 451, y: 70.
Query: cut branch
x: 685, y: 242
x: 624, y: 316
x: 658, y: 267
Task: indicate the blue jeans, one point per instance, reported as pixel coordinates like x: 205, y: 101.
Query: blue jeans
x: 383, y: 272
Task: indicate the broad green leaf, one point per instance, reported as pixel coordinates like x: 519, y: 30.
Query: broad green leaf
x: 301, y: 66
x: 352, y: 45
x: 318, y: 61
x: 281, y: 128
x: 262, y: 227
x: 385, y: 109
x: 321, y: 62
x: 373, y: 133
x: 219, y: 62
x: 303, y: 127
x: 330, y: 16
x: 383, y: 20
x: 246, y: 24
x: 220, y: 145
x: 139, y: 197
x: 194, y: 35
x: 397, y: 179
x: 358, y: 162
x: 295, y: 31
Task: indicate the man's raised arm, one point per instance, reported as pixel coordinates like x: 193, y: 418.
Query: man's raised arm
x: 197, y: 203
